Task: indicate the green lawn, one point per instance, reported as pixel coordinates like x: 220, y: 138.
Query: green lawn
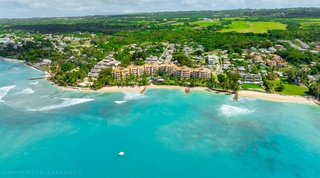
x: 291, y: 89
x: 206, y: 24
x: 255, y: 27
x: 248, y: 86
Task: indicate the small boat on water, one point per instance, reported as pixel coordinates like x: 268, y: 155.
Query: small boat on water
x: 121, y: 153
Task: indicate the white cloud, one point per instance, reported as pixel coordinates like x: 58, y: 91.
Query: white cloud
x: 41, y: 8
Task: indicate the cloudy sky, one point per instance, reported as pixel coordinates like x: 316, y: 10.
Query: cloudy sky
x: 58, y: 8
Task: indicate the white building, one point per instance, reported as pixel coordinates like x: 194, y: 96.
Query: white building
x: 213, y: 59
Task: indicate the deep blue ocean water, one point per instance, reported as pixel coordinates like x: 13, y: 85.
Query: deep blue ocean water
x: 47, y: 132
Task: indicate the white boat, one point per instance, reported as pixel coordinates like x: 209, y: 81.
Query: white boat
x: 121, y: 153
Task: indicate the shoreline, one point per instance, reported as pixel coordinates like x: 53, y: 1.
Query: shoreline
x: 11, y: 60
x: 277, y: 97
x: 242, y: 93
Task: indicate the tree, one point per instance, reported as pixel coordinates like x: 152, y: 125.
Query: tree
x: 280, y: 88
x: 314, y: 89
x: 139, y: 55
x: 254, y: 69
x: 211, y: 83
x: 198, y: 53
x: 144, y: 80
x: 182, y: 59
x: 238, y: 50
x: 222, y: 80
x: 233, y: 81
x: 271, y: 76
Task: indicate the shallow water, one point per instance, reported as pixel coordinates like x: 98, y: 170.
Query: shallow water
x: 164, y: 133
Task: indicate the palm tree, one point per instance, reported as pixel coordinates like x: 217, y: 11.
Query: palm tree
x: 271, y: 88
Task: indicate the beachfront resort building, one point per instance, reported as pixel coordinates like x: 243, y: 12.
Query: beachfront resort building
x: 183, y: 72
x: 120, y: 72
x: 136, y: 71
x: 107, y: 63
x: 154, y: 69
x: 202, y: 72
x: 167, y: 68
x: 151, y: 69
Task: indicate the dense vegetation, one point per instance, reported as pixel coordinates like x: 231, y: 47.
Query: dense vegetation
x: 115, y: 33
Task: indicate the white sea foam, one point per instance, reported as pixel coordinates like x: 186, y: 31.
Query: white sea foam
x: 129, y: 96
x: 26, y: 91
x: 66, y: 103
x: 245, y: 99
x: 132, y: 96
x: 4, y: 91
x: 228, y: 110
x: 36, y: 69
x: 120, y: 102
x: 34, y: 83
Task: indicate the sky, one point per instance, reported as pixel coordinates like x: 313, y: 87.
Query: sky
x: 63, y: 8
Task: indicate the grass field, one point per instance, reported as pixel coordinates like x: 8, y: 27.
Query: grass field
x: 304, y: 22
x: 254, y: 27
x: 290, y: 89
x: 252, y: 86
x: 206, y: 24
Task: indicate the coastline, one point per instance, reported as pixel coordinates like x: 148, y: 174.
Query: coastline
x: 11, y: 60
x: 241, y: 93
x: 278, y: 97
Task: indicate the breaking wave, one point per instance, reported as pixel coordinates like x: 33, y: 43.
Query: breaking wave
x: 132, y: 96
x: 229, y: 111
x: 120, y: 102
x: 4, y: 91
x: 26, y: 91
x: 66, y: 103
x: 34, y: 83
x: 129, y: 96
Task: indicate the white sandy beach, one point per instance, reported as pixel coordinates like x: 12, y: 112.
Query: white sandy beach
x: 251, y: 94
x: 277, y: 97
x: 121, y: 89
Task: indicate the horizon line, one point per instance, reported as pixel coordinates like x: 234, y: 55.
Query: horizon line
x: 144, y: 13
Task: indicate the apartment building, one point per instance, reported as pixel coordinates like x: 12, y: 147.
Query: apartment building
x: 202, y: 72
x: 167, y: 68
x: 151, y: 69
x: 136, y: 71
x: 183, y: 72
x: 120, y: 72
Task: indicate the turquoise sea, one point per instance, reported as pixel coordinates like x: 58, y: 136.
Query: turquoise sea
x: 47, y: 132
